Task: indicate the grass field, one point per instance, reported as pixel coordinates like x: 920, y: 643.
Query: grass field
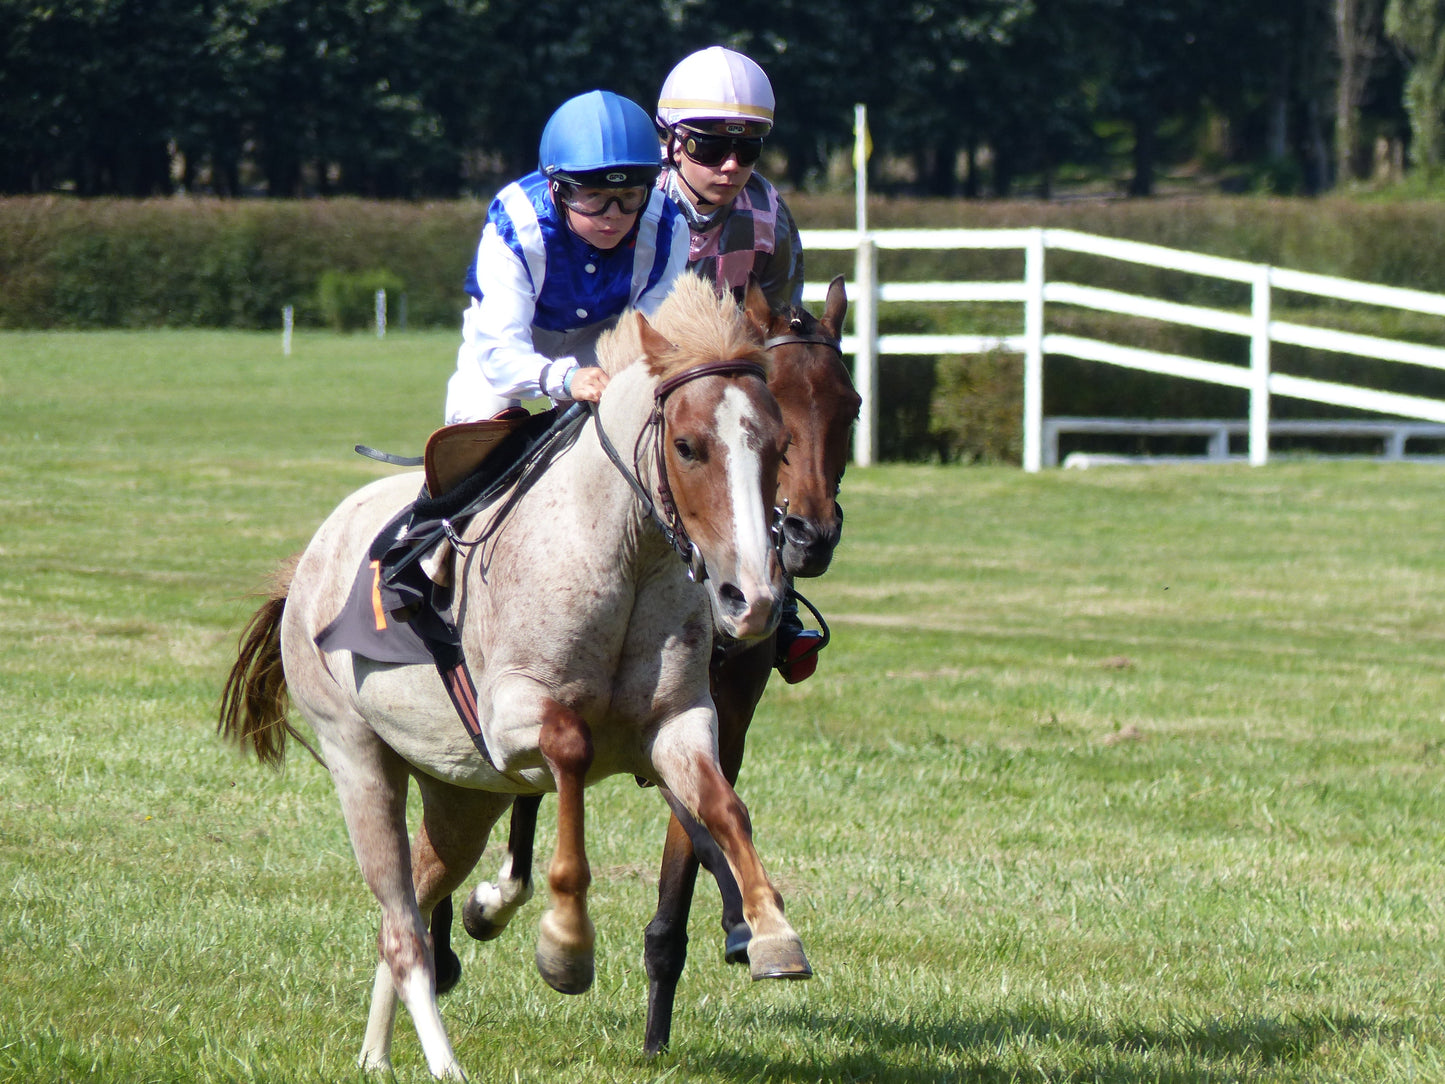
x: 1127, y: 775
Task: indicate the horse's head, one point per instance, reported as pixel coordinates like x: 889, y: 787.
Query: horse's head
x: 720, y: 445
x: 819, y: 406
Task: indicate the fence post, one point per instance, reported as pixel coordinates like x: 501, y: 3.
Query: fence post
x: 1033, y: 351
x: 380, y: 314
x: 865, y: 358
x: 1259, y: 368
x: 288, y: 321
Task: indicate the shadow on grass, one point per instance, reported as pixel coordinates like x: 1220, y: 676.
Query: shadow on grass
x: 1022, y: 1047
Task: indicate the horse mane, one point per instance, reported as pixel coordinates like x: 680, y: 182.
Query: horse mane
x: 701, y: 325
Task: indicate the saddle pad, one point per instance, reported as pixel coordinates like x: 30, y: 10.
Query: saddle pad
x: 364, y: 628
x: 454, y: 452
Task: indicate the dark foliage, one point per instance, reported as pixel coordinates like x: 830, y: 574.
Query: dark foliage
x: 436, y: 98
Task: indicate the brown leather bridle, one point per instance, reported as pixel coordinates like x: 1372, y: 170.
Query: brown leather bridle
x: 664, y: 510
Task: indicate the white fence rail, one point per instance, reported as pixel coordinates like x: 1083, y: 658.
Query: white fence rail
x: 1033, y: 291
x: 1391, y: 437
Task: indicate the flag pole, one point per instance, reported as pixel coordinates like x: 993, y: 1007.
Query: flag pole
x: 860, y: 165
x: 864, y: 302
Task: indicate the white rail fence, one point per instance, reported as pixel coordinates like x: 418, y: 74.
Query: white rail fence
x: 1033, y: 291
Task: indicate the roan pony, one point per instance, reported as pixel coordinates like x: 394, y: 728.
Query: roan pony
x: 819, y: 405
x: 589, y: 644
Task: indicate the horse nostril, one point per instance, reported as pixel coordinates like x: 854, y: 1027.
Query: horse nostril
x: 733, y: 600
x: 799, y: 531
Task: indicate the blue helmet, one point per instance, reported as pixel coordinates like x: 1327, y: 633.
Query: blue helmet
x: 600, y: 139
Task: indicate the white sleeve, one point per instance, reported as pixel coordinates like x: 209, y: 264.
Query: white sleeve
x: 497, y: 330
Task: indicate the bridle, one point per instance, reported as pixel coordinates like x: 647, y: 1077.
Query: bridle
x: 663, y: 511
x: 801, y: 339
x: 796, y: 336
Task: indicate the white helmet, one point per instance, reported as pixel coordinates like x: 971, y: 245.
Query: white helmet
x: 715, y: 84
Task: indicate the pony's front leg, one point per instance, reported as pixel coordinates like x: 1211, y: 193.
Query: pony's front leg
x: 684, y: 758
x: 566, y: 936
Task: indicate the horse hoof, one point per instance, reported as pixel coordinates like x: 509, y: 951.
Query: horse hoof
x: 778, y: 956
x: 476, y: 920
x: 565, y: 962
x: 449, y: 971
x: 735, y: 948
x: 564, y: 972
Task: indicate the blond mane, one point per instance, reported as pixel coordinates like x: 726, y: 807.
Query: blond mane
x: 700, y: 324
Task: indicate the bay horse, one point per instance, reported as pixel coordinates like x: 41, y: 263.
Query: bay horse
x: 819, y: 406
x: 589, y: 642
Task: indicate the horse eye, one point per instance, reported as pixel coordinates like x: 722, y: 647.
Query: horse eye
x: 684, y: 450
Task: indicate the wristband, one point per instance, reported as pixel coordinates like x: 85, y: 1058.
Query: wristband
x: 567, y: 382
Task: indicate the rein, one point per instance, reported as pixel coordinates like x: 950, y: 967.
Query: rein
x: 668, y: 519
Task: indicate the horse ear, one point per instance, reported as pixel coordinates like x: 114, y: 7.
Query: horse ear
x: 756, y: 307
x: 836, y: 308
x: 654, y: 342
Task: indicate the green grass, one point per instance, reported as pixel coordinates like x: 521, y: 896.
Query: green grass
x: 1127, y: 775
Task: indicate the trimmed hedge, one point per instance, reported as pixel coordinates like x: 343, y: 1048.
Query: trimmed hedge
x: 68, y: 263
x: 212, y: 263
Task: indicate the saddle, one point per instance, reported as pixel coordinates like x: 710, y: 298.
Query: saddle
x: 399, y: 609
x: 455, y: 452
x: 468, y: 467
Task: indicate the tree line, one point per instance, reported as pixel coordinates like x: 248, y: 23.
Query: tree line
x: 435, y: 98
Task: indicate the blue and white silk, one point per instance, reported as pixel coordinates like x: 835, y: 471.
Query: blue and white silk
x: 541, y: 296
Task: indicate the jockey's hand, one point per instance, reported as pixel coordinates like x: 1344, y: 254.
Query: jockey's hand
x: 587, y: 384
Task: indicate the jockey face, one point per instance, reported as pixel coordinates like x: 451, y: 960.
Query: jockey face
x: 603, y: 229
x: 715, y: 158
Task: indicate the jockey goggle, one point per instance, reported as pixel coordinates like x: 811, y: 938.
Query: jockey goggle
x: 592, y: 202
x: 710, y: 149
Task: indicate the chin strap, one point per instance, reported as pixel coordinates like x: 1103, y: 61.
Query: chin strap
x: 697, y: 196
x: 696, y: 218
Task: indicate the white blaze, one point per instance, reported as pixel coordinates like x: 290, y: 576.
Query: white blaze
x: 750, y: 516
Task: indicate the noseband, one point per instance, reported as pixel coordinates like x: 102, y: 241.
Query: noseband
x: 664, y: 510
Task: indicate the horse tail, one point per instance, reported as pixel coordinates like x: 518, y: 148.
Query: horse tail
x: 255, y: 701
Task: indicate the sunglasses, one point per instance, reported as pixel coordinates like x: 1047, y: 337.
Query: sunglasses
x: 713, y: 150
x: 592, y: 202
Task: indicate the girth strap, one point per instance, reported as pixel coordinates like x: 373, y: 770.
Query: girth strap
x: 463, y: 693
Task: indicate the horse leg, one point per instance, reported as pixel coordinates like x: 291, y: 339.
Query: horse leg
x: 738, y: 682
x: 565, y: 937
x: 372, y: 783
x: 683, y: 757
x: 450, y: 839
x: 491, y: 905
x: 449, y: 964
x: 665, y: 940
x: 703, y: 850
x: 665, y: 943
